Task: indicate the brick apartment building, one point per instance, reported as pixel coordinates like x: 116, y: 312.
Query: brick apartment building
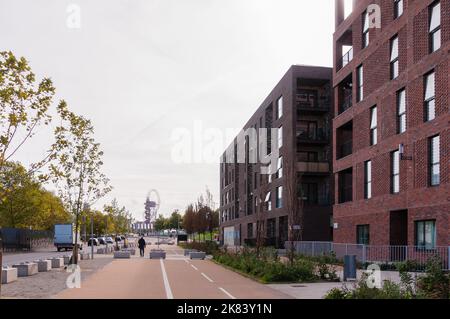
x: 391, y: 129
x: 300, y: 106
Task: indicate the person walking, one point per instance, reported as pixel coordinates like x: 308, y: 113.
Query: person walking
x: 142, y: 244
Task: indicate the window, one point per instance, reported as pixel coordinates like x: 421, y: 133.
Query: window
x: 435, y: 155
x: 360, y: 83
x: 250, y: 230
x: 310, y: 193
x: 280, y: 107
x: 362, y: 234
x: 368, y: 180
x: 430, y: 103
x: 435, y: 27
x: 269, y: 172
x: 365, y: 30
x: 308, y: 157
x: 280, y: 167
x: 394, y: 58
x: 401, y: 111
x: 398, y: 8
x: 373, y: 126
x: 426, y: 234
x: 279, y: 203
x: 268, y: 201
x: 395, y: 172
x: 280, y: 137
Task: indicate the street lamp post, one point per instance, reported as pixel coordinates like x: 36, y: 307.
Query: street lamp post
x: 92, y: 236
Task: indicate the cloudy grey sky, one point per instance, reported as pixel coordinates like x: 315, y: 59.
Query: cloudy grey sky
x: 142, y: 68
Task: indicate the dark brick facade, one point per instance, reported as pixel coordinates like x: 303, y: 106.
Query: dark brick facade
x: 417, y: 200
x: 307, y: 100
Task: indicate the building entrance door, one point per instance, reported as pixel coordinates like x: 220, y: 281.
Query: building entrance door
x: 398, y: 235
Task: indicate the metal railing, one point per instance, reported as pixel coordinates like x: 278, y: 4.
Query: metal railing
x: 418, y: 256
x: 347, y: 102
x: 346, y: 58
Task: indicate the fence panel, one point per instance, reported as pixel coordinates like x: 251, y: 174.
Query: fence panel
x: 417, y: 256
x: 25, y: 239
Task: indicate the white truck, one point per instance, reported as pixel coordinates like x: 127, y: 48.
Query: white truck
x: 65, y: 237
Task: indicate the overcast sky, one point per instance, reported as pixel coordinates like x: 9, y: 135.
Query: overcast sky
x: 139, y: 69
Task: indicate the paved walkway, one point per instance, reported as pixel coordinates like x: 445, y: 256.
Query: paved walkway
x: 176, y: 277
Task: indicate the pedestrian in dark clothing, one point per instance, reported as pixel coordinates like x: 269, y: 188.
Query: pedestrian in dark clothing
x: 142, y: 244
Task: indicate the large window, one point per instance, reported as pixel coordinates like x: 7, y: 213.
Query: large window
x: 394, y: 58
x: 280, y: 107
x: 435, y: 26
x: 430, y: 101
x: 401, y: 111
x: 280, y: 137
x: 398, y: 8
x: 360, y: 83
x: 363, y: 234
x: 395, y: 172
x: 435, y: 155
x: 426, y: 234
x: 268, y: 201
x: 365, y: 29
x: 280, y: 167
x: 373, y: 126
x: 368, y: 180
x: 279, y: 203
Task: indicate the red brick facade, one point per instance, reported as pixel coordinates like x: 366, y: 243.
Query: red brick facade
x: 421, y: 201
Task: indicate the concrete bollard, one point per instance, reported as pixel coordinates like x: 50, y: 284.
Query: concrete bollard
x: 8, y: 275
x: 26, y: 269
x: 44, y: 265
x: 197, y: 255
x: 157, y: 254
x: 66, y: 260
x: 57, y: 262
x: 122, y: 254
x: 132, y: 251
x: 101, y: 251
x: 188, y: 251
x: 85, y: 256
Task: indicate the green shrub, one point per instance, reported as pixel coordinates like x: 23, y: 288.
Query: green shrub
x: 435, y: 284
x: 337, y: 293
x: 268, y: 268
x: 209, y: 247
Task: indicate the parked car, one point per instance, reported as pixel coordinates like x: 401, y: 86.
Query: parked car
x: 118, y: 239
x: 102, y: 240
x: 109, y: 240
x: 93, y: 241
x: 122, y: 237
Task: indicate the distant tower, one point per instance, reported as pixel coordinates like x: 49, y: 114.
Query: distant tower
x: 151, y: 209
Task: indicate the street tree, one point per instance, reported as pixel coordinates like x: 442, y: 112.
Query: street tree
x: 76, y: 172
x: 24, y: 108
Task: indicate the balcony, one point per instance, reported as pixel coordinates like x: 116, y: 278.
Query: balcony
x: 308, y: 102
x: 347, y: 58
x: 346, y: 148
x: 313, y: 167
x: 312, y: 136
x: 345, y: 94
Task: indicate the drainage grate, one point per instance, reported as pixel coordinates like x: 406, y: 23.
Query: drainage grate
x: 298, y: 286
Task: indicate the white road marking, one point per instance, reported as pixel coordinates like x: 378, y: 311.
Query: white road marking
x: 166, y: 281
x: 187, y: 262
x: 194, y: 267
x: 207, y: 278
x: 227, y: 293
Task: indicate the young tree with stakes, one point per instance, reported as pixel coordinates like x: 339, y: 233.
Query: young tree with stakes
x: 77, y: 169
